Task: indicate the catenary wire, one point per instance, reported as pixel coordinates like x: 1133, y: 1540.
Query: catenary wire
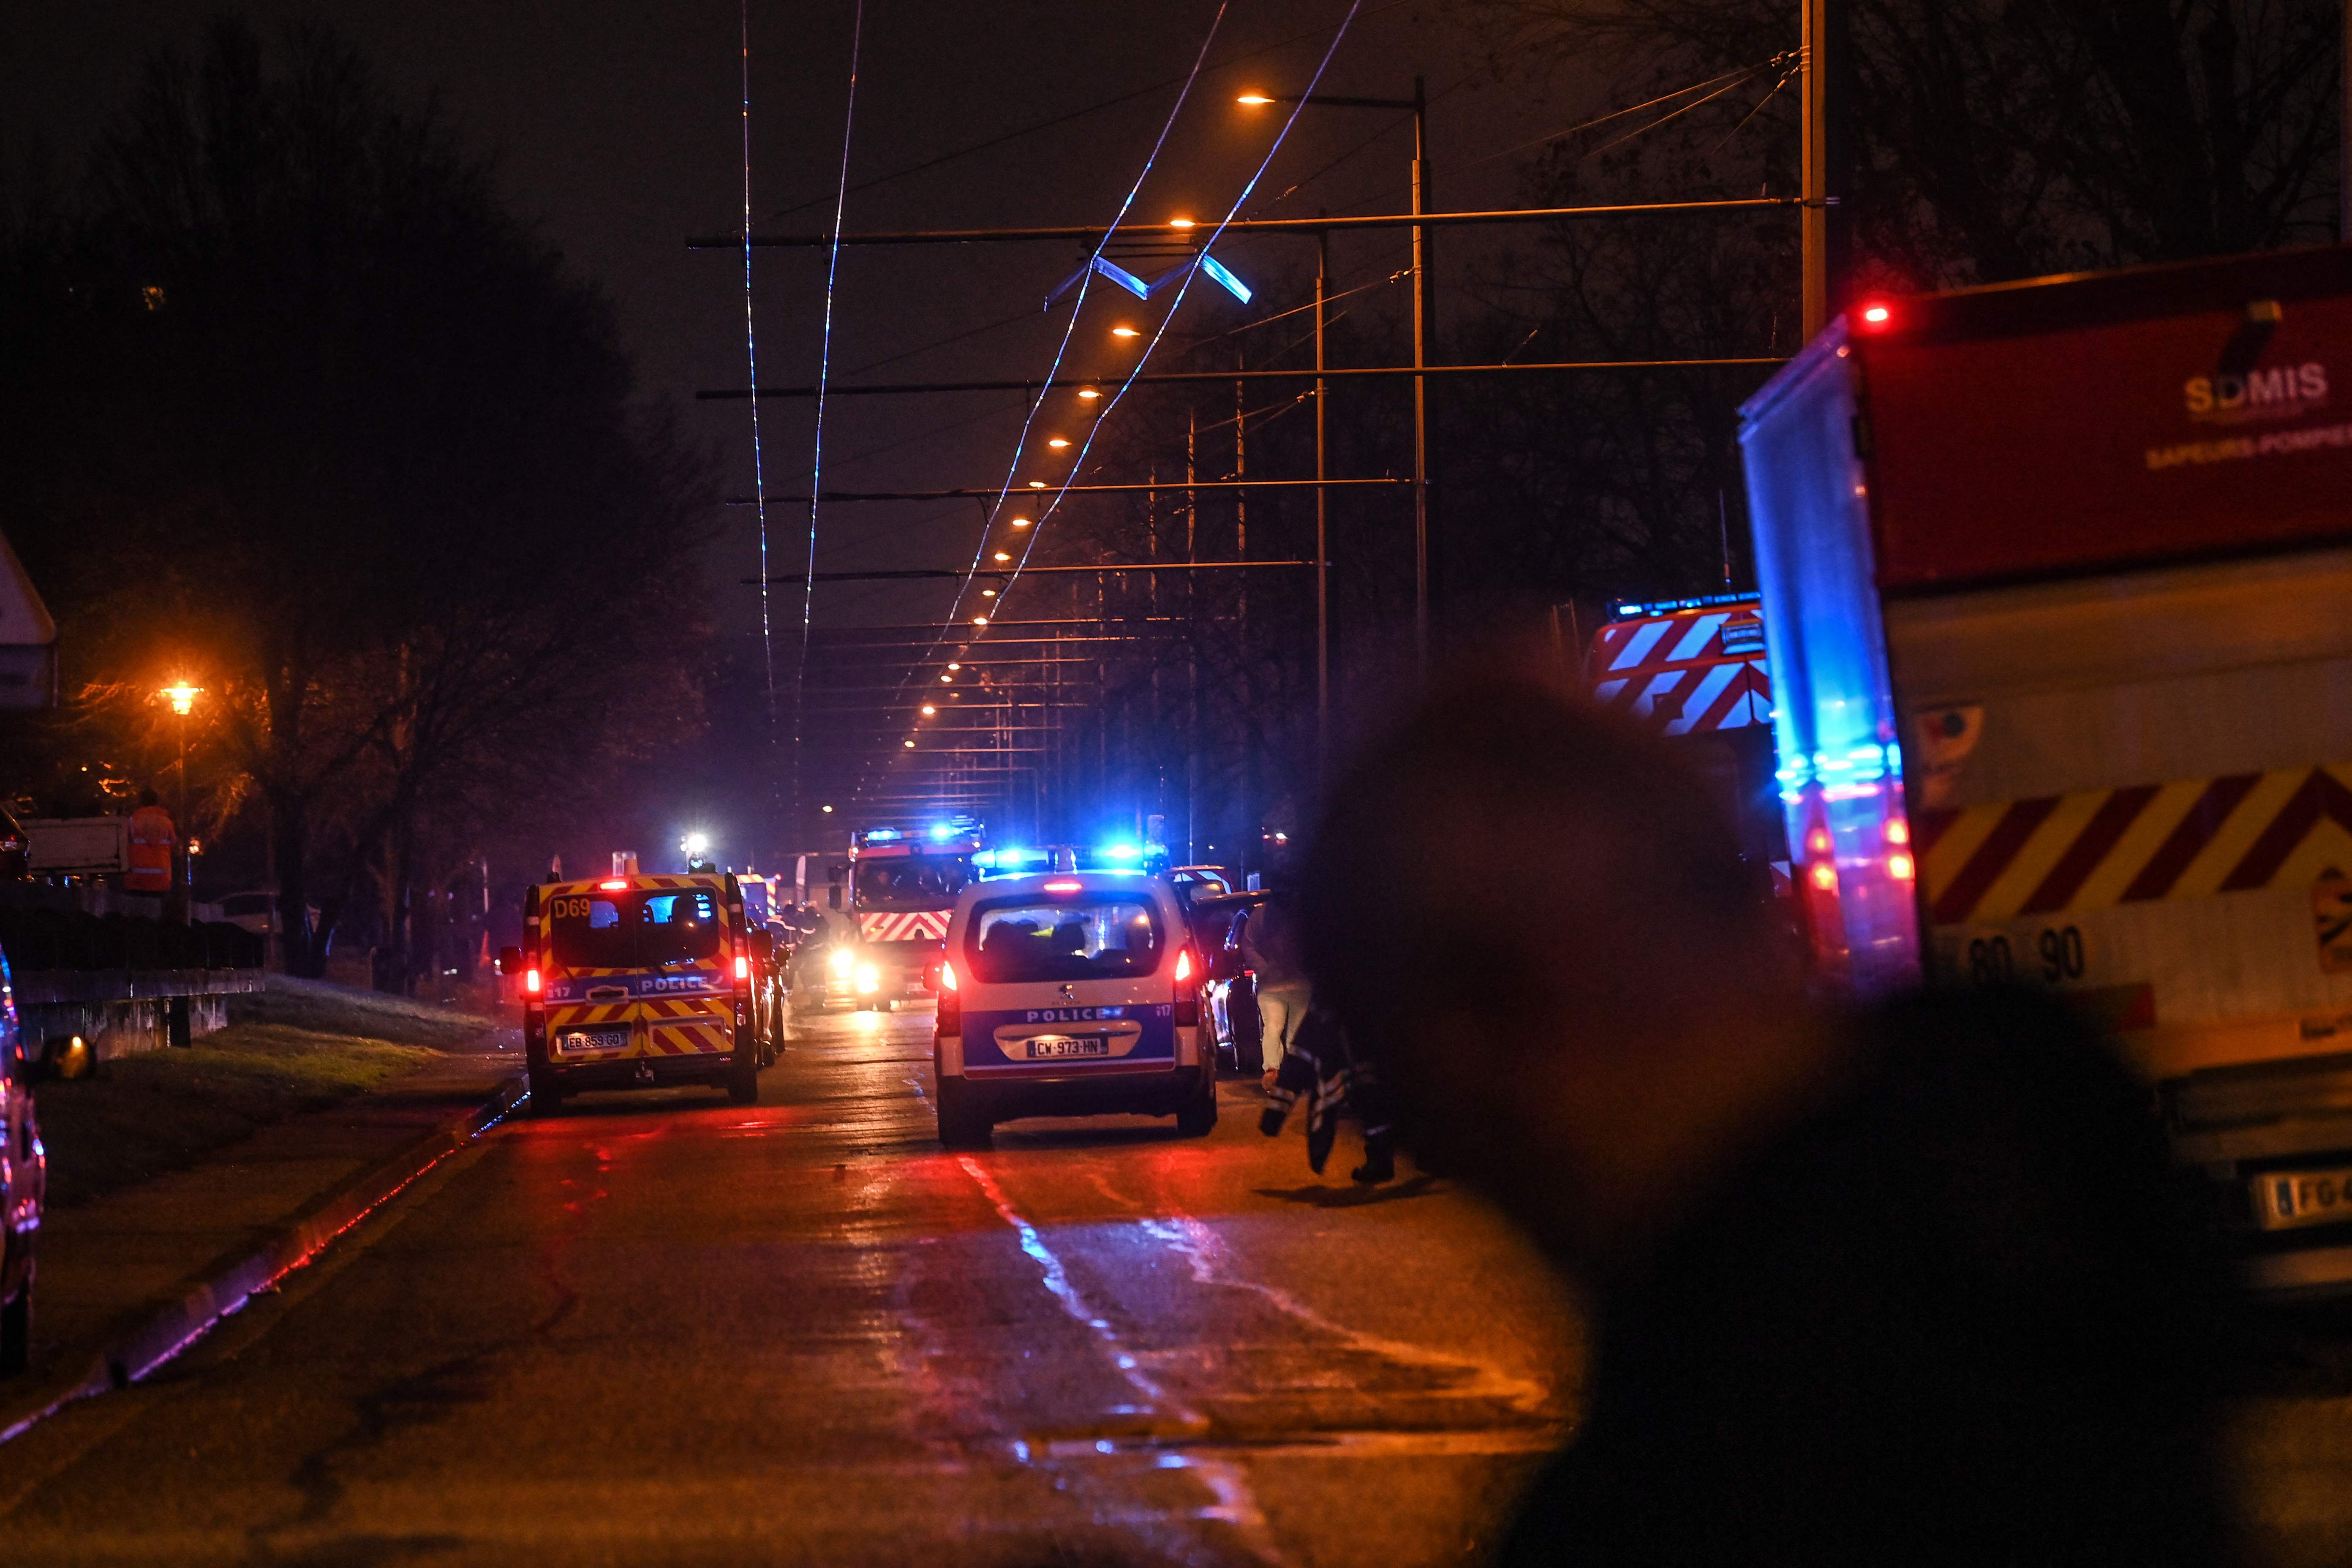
x: 1013, y: 469
x: 824, y: 367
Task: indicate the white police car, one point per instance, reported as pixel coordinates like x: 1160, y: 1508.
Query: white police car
x: 1069, y: 993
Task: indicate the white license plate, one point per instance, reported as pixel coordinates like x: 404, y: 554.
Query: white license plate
x: 596, y: 1040
x: 2283, y: 1199
x: 1051, y: 1047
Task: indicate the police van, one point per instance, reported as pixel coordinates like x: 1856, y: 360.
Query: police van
x: 1069, y: 993
x: 637, y: 982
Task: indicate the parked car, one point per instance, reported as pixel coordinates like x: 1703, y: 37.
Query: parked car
x: 16, y: 863
x: 1069, y: 993
x: 24, y: 1185
x: 1229, y: 1020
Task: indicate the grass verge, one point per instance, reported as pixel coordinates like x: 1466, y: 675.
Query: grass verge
x: 299, y: 1045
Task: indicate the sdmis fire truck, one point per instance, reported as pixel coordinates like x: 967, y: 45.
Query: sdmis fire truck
x: 898, y: 888
x: 1694, y: 670
x: 2058, y: 578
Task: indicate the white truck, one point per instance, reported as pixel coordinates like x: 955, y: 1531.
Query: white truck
x: 2058, y: 578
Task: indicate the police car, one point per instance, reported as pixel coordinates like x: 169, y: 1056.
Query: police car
x: 1069, y: 993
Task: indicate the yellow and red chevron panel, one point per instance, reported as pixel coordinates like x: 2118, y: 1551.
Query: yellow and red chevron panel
x: 2097, y: 848
x: 904, y: 925
x: 1686, y: 673
x: 681, y: 1031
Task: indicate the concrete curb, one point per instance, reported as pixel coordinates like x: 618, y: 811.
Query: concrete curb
x: 134, y: 1354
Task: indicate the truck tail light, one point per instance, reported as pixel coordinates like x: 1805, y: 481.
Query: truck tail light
x: 1899, y: 866
x: 530, y: 980
x: 742, y: 966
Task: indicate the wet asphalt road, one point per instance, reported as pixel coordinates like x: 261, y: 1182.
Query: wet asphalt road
x: 660, y: 1328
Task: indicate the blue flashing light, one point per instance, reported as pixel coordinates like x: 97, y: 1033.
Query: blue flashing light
x: 1234, y: 286
x: 881, y: 834
x: 1122, y: 852
x: 942, y: 832
x: 1123, y: 278
x: 1627, y: 609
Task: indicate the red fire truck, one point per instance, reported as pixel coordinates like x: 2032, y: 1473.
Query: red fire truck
x: 901, y: 881
x: 2059, y: 582
x: 1695, y: 670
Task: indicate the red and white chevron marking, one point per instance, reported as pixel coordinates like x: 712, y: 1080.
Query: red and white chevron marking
x: 1686, y: 673
x: 904, y: 925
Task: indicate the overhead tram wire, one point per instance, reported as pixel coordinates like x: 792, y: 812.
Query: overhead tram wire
x: 1077, y: 306
x: 824, y: 372
x: 1183, y: 288
x: 1031, y: 130
x: 751, y: 358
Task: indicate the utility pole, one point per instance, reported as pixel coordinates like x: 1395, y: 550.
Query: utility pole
x: 1822, y: 223
x: 1322, y: 542
x: 1425, y: 307
x: 2343, y: 132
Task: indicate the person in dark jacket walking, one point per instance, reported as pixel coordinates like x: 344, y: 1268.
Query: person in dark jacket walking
x: 1894, y: 1285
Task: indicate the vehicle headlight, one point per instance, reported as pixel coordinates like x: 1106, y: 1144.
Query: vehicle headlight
x: 868, y: 978
x: 842, y: 962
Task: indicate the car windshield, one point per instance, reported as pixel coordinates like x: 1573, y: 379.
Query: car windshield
x: 911, y: 881
x: 633, y: 930
x: 1105, y: 937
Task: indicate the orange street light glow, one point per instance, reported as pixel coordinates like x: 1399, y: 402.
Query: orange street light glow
x: 953, y: 666
x: 1057, y: 442
x: 980, y: 620
x: 1035, y: 485
x: 908, y: 744
x: 1254, y: 99
x: 988, y: 592
x: 947, y: 681
x: 1180, y: 223
x: 929, y: 710
x: 1089, y: 393
x: 1001, y: 555
x: 181, y: 696
x: 1125, y: 332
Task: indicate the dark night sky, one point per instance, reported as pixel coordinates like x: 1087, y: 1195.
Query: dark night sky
x: 617, y: 125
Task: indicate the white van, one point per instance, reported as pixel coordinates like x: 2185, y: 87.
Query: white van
x: 1069, y: 993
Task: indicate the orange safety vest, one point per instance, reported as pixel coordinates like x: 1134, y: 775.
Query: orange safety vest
x: 151, y: 851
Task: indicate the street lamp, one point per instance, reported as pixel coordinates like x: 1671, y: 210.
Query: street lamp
x: 182, y: 699
x: 1424, y: 314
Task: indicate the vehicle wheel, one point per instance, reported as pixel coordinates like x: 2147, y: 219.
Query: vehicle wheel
x: 1249, y: 1056
x: 743, y: 1083
x: 1199, y: 1119
x: 16, y: 1332
x: 962, y: 1124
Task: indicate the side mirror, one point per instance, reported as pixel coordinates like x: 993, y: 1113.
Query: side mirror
x: 763, y: 946
x: 509, y: 960
x: 836, y: 873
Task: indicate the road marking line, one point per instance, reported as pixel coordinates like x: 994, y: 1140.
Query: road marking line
x: 1204, y: 1250
x: 1226, y: 1481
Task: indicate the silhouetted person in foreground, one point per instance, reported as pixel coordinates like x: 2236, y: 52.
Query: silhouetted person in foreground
x: 1896, y: 1287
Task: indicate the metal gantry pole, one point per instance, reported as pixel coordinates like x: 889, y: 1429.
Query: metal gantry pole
x: 1322, y: 541
x: 1421, y: 313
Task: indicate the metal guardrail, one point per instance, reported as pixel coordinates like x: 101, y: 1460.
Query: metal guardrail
x: 55, y: 987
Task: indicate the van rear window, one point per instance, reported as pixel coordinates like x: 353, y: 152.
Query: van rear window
x: 1014, y: 940
x: 633, y: 930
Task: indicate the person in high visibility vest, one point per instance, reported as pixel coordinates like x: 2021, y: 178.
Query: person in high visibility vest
x: 152, y: 838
